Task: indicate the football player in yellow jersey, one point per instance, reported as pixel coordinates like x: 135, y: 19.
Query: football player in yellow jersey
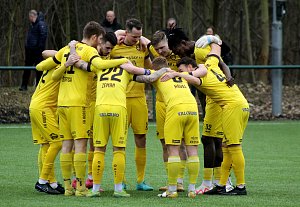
x: 136, y: 99
x: 212, y: 126
x: 73, y: 102
x: 108, y: 42
x: 182, y: 122
x: 159, y: 47
x: 235, y: 114
x: 111, y: 119
x: 42, y: 111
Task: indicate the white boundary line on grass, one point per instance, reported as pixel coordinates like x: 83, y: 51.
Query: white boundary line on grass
x: 27, y: 126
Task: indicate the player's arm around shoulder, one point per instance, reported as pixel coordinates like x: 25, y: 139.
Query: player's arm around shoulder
x: 151, y: 78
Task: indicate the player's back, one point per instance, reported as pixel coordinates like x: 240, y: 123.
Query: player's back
x: 111, y: 86
x: 214, y: 85
x: 76, y: 84
x: 175, y: 91
x: 46, y: 92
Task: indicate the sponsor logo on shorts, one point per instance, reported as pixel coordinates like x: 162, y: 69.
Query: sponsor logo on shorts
x: 194, y: 140
x: 187, y: 113
x: 109, y: 114
x: 44, y: 119
x: 73, y: 134
x: 175, y: 141
x: 90, y: 133
x: 53, y: 136
x: 83, y: 115
x: 98, y: 142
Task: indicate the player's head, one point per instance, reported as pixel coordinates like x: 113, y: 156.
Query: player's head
x: 134, y: 31
x: 179, y: 43
x: 186, y: 64
x: 32, y: 15
x: 160, y: 43
x: 159, y: 62
x: 108, y: 42
x: 93, y: 33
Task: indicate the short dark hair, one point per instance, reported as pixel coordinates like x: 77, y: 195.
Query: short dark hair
x: 159, y: 62
x: 158, y: 36
x: 175, y: 36
x: 186, y: 61
x: 131, y: 23
x: 111, y: 37
x: 93, y: 28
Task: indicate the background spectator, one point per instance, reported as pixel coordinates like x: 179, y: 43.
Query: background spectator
x: 110, y: 22
x: 34, y: 46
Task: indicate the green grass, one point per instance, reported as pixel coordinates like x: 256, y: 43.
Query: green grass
x: 272, y: 171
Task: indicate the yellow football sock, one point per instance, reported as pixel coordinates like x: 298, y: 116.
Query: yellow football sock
x: 98, y: 166
x: 193, y: 166
x: 41, y: 156
x: 207, y: 173
x: 118, y: 166
x: 166, y: 167
x: 66, y: 161
x: 48, y: 164
x: 73, y: 169
x: 90, y: 162
x: 226, y: 166
x: 173, y: 169
x: 79, y: 165
x: 238, y: 163
x: 217, y: 173
x: 140, y: 161
x: 51, y: 176
x: 182, y: 168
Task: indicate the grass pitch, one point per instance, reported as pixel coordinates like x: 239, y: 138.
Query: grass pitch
x: 272, y: 171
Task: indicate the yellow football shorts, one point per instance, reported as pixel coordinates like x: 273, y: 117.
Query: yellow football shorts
x: 137, y: 112
x: 212, y: 123
x: 44, y: 126
x: 110, y: 120
x: 182, y: 121
x: 234, y: 122
x: 74, y: 122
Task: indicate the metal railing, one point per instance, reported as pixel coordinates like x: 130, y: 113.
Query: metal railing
x: 276, y: 81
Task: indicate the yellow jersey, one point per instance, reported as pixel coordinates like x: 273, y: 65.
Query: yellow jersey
x: 111, y: 86
x: 214, y: 85
x: 76, y: 84
x: 172, y: 60
x: 137, y: 56
x: 175, y: 91
x: 201, y: 54
x: 46, y: 92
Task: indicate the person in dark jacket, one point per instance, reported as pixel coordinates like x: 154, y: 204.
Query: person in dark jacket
x: 110, y: 22
x: 34, y: 46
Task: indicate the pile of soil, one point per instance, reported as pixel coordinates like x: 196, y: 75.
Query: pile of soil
x: 14, y: 103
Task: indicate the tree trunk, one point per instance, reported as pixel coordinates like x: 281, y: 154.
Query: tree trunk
x: 9, y: 42
x: 68, y: 23
x: 264, y: 55
x: 248, y: 39
x: 189, y: 17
